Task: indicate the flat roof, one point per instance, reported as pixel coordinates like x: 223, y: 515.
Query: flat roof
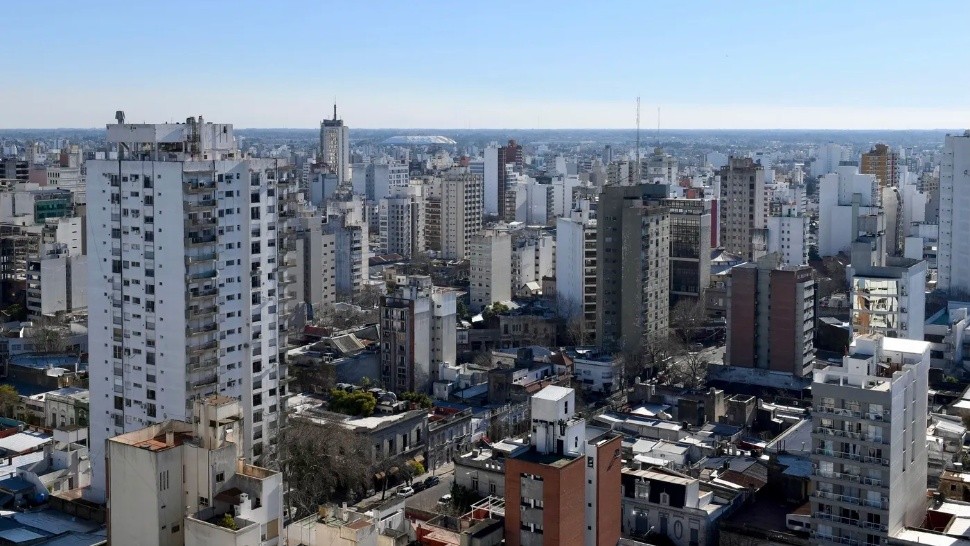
x: 553, y: 393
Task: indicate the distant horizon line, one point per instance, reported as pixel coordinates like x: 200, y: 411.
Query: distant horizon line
x: 649, y: 132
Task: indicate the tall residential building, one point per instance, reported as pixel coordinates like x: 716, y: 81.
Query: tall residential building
x: 418, y: 333
x: 533, y: 257
x: 846, y: 198
x: 869, y: 442
x: 375, y: 181
x: 953, y: 257
x: 771, y: 317
x: 490, y: 178
x: 788, y: 235
x: 576, y: 287
x: 633, y: 266
x: 335, y: 147
x: 743, y: 208
x: 402, y: 222
x: 490, y: 274
x: 186, y: 280
x: 827, y: 159
x: 347, y: 221
x: 690, y: 248
x: 509, y: 162
x: 315, y: 261
x: 567, y: 483
x: 882, y: 162
x: 659, y: 168
x: 888, y: 292
x: 172, y: 483
x: 461, y: 212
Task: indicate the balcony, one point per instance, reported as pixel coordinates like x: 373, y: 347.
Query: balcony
x: 829, y: 431
x: 207, y: 346
x: 198, y: 223
x: 203, y: 294
x: 195, y: 329
x: 198, y: 187
x: 201, y: 258
x: 201, y: 312
x: 210, y: 274
x: 200, y: 240
x: 200, y: 205
x: 881, y: 504
x: 835, y: 540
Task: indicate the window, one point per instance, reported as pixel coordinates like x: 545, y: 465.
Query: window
x: 220, y: 477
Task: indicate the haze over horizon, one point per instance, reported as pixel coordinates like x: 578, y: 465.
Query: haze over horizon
x: 548, y: 65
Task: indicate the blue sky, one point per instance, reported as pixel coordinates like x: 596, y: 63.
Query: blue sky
x: 494, y: 64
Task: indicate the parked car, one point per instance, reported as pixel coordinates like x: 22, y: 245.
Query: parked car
x: 405, y: 491
x: 431, y: 481
x: 444, y: 500
x: 418, y: 486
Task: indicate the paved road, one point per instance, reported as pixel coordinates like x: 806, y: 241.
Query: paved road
x: 428, y: 499
x: 444, y: 472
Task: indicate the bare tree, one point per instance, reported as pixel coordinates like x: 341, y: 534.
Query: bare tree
x: 686, y: 318
x: 689, y: 369
x: 322, y: 463
x: 48, y: 336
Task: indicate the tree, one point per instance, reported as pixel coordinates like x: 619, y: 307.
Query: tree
x: 367, y: 297
x: 48, y: 337
x: 652, y: 357
x: 352, y: 403
x: 686, y: 318
x: 322, y: 462
x: 9, y: 400
x: 314, y: 377
x: 228, y: 522
x: 420, y: 399
x: 689, y: 369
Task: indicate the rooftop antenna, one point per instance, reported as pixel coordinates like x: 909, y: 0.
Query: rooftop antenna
x: 335, y: 108
x: 638, y: 142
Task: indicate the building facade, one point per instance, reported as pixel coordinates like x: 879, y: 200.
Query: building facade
x: 743, y: 208
x: 186, y: 282
x: 490, y: 271
x: 690, y: 248
x: 461, y: 213
x: 953, y: 256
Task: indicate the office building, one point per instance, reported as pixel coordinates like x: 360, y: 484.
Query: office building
x: 659, y: 168
x: 461, y: 212
x: 490, y: 273
x: 633, y: 266
x: 690, y: 248
x: 576, y: 270
x: 869, y: 442
x: 177, y: 482
x: 743, y: 208
x: 771, y: 317
x: 418, y: 332
x: 953, y: 256
x: 186, y: 280
x: 335, y: 148
x: 568, y: 480
x: 883, y: 163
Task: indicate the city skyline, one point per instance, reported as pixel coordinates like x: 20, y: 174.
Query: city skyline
x: 794, y: 66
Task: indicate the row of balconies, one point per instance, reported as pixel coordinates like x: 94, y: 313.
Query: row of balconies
x: 881, y: 504
x: 868, y: 459
x: 855, y: 522
x: 855, y: 478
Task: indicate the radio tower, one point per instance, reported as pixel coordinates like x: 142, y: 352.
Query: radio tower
x: 637, y: 170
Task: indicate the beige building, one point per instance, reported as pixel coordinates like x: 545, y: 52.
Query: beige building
x: 461, y: 212
x: 175, y: 483
x: 743, y: 209
x: 490, y: 271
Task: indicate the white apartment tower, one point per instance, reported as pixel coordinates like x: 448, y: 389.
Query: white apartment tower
x: 335, y: 147
x: 576, y: 269
x: 788, y: 235
x: 846, y: 199
x: 401, y: 217
x: 186, y: 280
x: 953, y: 258
x: 869, y: 442
x: 461, y: 212
x: 490, y: 269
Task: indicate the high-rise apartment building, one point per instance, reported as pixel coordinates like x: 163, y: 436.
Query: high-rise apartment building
x: 771, y: 317
x: 633, y: 265
x: 567, y: 482
x: 418, y: 333
x: 788, y: 235
x: 690, y: 248
x: 401, y: 217
x: 659, y: 168
x: 869, y: 442
x: 187, y: 280
x: 335, y: 147
x: 490, y: 273
x: 347, y: 221
x: 490, y: 178
x: 882, y: 162
x: 743, y: 208
x: 315, y: 264
x: 508, y: 155
x: 375, y: 181
x: 846, y: 199
x: 576, y: 259
x: 888, y: 293
x: 461, y: 212
x: 953, y: 257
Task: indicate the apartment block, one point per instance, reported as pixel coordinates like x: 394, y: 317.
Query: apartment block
x: 565, y: 457
x: 402, y: 221
x: 633, y: 265
x: 490, y: 272
x: 743, y: 208
x: 186, y: 280
x: 335, y: 148
x: 869, y: 442
x: 788, y: 235
x: 888, y: 293
x: 690, y: 248
x: 953, y: 256
x: 576, y: 260
x: 771, y: 317
x: 177, y: 482
x: 461, y: 212
x: 883, y: 163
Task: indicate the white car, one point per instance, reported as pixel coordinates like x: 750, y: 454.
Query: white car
x: 405, y: 491
x: 445, y: 499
